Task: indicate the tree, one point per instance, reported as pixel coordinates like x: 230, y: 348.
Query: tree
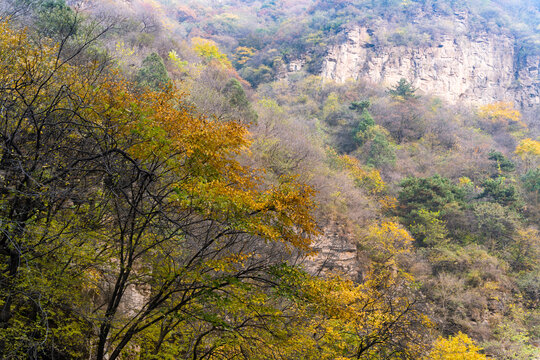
x: 54, y: 18
x: 381, y: 150
x: 500, y: 115
x: 153, y: 73
x: 458, y: 347
x: 177, y: 62
x: 377, y: 147
x: 495, y: 224
x: 531, y: 179
x: 403, y: 91
x: 243, y: 54
x: 111, y: 194
x: 524, y: 250
x: 360, y: 106
x: 431, y: 194
x: 368, y: 179
x: 258, y: 75
x: 343, y: 320
x: 364, y: 130
x: 187, y: 219
x: 528, y: 146
x: 503, y: 164
x: 386, y: 241
x: 209, y: 52
x: 529, y: 151
x: 239, y: 101
x: 429, y: 230
x: 54, y: 130
x: 406, y: 121
x: 499, y: 190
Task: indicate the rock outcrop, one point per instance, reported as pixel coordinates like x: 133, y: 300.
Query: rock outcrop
x: 336, y: 252
x: 475, y: 68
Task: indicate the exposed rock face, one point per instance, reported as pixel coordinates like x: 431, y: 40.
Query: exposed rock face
x: 476, y: 68
x: 336, y: 252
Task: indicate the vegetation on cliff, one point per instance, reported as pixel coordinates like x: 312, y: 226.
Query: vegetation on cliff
x: 156, y: 205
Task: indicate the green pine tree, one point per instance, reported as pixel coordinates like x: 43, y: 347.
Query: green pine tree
x: 153, y: 73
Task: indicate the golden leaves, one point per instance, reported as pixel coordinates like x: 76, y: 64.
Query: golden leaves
x: 386, y: 240
x: 198, y: 154
x: 243, y: 54
x: 209, y: 51
x: 528, y: 147
x: 501, y: 113
x: 458, y: 347
x: 353, y: 320
x: 367, y: 178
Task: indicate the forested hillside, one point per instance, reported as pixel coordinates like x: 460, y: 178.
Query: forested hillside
x: 184, y: 180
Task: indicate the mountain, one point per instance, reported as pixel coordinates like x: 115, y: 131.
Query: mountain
x: 270, y: 179
x: 474, y: 52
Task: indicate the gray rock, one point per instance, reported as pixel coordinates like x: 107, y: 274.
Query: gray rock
x: 475, y: 68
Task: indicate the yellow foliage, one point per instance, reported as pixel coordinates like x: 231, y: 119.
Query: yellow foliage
x: 178, y: 63
x: 159, y: 127
x: 369, y: 179
x: 331, y: 104
x: 458, y: 347
x: 528, y: 147
x: 386, y: 240
x: 243, y: 54
x: 388, y: 203
x: 500, y: 113
x: 196, y: 158
x: 209, y: 52
x: 193, y: 162
x: 123, y: 53
x: 465, y: 181
x: 358, y: 319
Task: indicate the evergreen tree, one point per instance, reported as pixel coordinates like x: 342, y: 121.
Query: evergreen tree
x: 360, y: 106
x: 152, y: 73
x: 239, y: 101
x: 503, y: 164
x: 403, y: 90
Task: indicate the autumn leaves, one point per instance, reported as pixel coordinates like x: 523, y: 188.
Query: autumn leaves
x: 130, y: 229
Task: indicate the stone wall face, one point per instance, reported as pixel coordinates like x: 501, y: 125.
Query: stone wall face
x: 474, y: 68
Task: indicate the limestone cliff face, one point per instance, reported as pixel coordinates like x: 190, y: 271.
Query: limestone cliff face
x: 475, y: 68
x: 336, y: 252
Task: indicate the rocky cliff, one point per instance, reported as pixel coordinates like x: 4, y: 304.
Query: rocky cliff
x: 475, y: 68
x: 336, y: 251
